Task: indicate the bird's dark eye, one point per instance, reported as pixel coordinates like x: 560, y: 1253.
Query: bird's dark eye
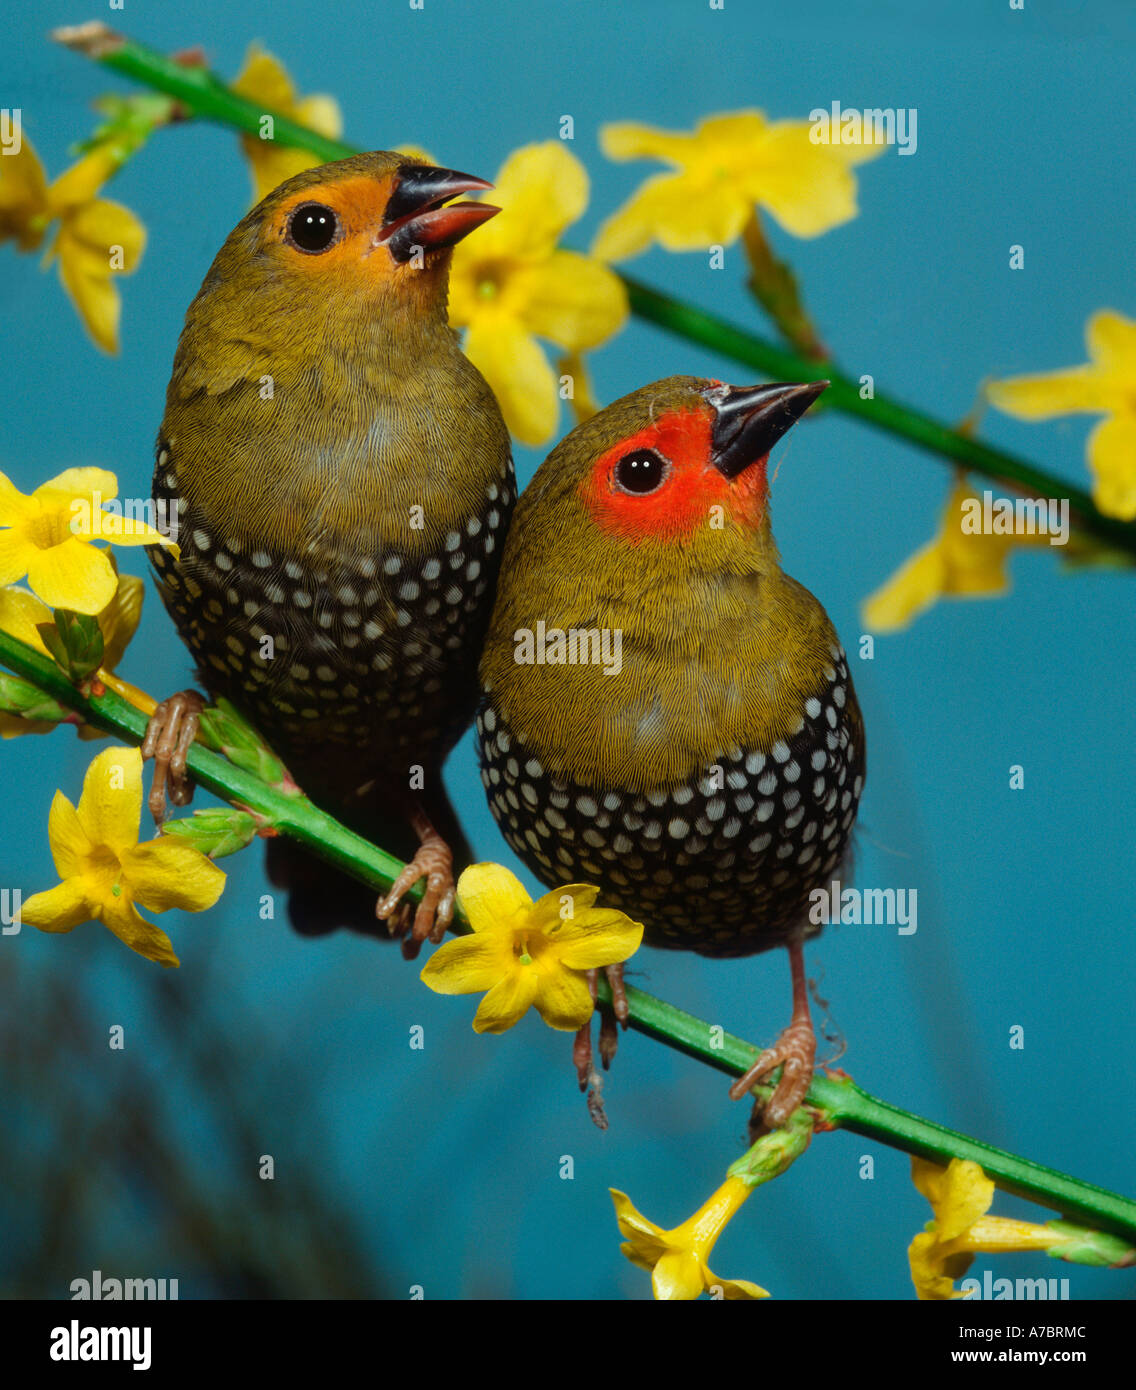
x: 640, y: 472
x: 313, y: 227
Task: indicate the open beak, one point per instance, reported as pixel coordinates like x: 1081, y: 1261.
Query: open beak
x: 751, y: 419
x: 416, y: 215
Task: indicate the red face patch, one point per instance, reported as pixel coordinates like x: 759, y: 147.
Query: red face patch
x: 661, y: 482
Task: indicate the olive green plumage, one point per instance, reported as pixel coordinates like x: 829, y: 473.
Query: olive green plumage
x: 665, y: 783
x: 344, y: 480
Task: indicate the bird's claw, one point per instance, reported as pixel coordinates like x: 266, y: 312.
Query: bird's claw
x: 433, y: 862
x: 795, y: 1052
x: 583, y: 1058
x: 171, y: 731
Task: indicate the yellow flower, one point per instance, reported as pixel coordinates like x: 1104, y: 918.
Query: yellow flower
x: 960, y: 1196
x: 48, y: 537
x: 956, y: 564
x: 265, y: 79
x: 1105, y: 385
x: 677, y: 1259
x: 527, y: 953
x: 96, y: 239
x: 20, y: 616
x: 729, y: 163
x: 511, y: 284
x: 104, y: 869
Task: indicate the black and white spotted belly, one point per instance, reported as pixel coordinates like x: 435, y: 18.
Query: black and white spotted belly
x: 722, y: 864
x: 374, y: 651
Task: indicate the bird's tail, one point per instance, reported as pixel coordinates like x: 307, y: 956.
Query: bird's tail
x: 322, y: 899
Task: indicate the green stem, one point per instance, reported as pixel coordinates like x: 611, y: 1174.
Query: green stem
x: 208, y: 97
x: 841, y: 1102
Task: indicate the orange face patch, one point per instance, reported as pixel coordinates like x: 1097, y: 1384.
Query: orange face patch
x: 357, y: 207
x: 688, y: 488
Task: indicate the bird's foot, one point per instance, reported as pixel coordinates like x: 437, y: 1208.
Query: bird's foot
x: 795, y: 1052
x: 583, y: 1057
x: 172, y: 728
x: 433, y: 862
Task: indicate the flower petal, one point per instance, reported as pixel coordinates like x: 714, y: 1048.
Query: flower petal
x: 563, y: 999
x: 1112, y: 458
x: 807, y: 188
x: 513, y: 363
x: 71, y: 575
x: 23, y: 197
x: 606, y: 936
x: 121, y: 916
x: 93, y: 485
x: 95, y: 298
x: 676, y: 211
x: 678, y: 1275
x: 264, y: 78
x: 165, y: 873
x: 646, y: 1241
x: 104, y: 230
x: 469, y: 964
x: 926, y: 1263
x: 59, y: 909
x: 79, y: 184
x: 541, y: 189
x: 20, y: 614
x: 110, y: 809
x: 1111, y: 339
x: 735, y: 1289
x: 1040, y: 396
x: 16, y: 553
x: 507, y: 1002
x: 15, y: 506
x: 69, y: 842
x: 624, y: 140
x: 491, y: 897
x: 118, y: 622
x: 550, y: 910
x: 572, y: 299
x: 912, y: 588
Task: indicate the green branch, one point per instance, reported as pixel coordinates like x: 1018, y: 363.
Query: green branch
x: 841, y: 1102
x: 206, y: 96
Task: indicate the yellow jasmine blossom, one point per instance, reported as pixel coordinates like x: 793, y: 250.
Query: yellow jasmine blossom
x: 960, y: 1196
x: 105, y: 871
x: 956, y: 564
x: 1104, y: 385
x: 529, y: 953
x: 511, y: 284
x: 723, y: 168
x: 96, y: 239
x: 678, y: 1259
x: 265, y: 79
x: 20, y: 616
x: 48, y: 537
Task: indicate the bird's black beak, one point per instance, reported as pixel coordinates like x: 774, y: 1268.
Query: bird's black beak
x: 415, y: 215
x: 751, y: 419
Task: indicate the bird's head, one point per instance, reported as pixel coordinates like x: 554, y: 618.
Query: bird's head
x: 374, y: 228
x: 674, y: 475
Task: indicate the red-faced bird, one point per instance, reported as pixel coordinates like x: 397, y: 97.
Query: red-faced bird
x: 665, y: 713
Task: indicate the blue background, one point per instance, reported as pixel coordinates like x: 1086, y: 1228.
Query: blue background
x: 441, y: 1168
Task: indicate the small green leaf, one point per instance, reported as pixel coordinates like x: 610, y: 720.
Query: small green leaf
x: 75, y: 641
x: 225, y: 730
x: 216, y: 831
